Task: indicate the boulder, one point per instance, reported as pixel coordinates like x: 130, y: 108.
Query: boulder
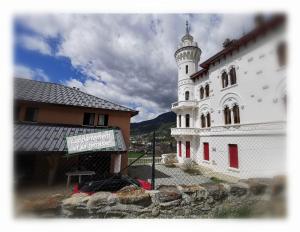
x: 101, y: 199
x: 129, y: 188
x: 78, y: 199
x: 168, y: 193
x: 169, y: 159
x: 217, y: 191
x: 136, y: 197
x: 239, y: 189
x: 196, y: 192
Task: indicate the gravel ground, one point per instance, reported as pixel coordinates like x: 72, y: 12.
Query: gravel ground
x: 167, y: 175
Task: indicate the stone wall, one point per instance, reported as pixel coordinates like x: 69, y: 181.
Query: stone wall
x: 246, y: 198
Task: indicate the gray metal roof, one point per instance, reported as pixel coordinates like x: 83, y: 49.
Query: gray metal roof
x: 51, y: 138
x: 46, y: 92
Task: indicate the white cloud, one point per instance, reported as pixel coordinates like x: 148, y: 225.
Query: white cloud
x: 35, y: 43
x: 129, y: 59
x: 28, y: 73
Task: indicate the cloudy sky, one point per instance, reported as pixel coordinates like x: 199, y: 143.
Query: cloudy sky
x: 127, y: 59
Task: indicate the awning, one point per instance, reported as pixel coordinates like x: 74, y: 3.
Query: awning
x: 29, y: 137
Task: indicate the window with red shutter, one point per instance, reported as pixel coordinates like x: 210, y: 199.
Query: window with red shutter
x: 187, y: 150
x: 206, y: 151
x: 233, y: 156
x: 179, y: 148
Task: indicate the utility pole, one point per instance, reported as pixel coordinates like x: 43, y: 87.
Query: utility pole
x: 153, y: 162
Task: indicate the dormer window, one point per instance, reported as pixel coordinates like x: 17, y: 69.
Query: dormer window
x: 187, y: 95
x: 186, y: 69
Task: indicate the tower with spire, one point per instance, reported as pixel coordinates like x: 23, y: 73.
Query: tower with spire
x: 187, y: 58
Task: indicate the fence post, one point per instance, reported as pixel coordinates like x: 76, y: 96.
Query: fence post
x: 153, y: 162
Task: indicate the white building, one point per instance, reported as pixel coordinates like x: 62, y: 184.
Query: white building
x: 231, y: 115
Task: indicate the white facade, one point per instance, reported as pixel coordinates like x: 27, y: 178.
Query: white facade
x: 254, y: 145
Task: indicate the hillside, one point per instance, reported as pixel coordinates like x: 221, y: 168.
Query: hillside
x: 161, y: 124
x: 142, y: 134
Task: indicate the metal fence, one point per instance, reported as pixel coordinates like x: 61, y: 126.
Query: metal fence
x: 38, y: 176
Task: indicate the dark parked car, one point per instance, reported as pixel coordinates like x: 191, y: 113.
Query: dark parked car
x: 112, y: 184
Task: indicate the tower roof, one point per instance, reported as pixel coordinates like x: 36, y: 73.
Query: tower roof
x: 187, y: 35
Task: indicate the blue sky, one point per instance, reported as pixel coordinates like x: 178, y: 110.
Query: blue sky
x: 124, y: 58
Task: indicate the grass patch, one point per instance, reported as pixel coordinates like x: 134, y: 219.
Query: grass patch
x: 216, y: 180
x: 241, y: 212
x: 132, y: 154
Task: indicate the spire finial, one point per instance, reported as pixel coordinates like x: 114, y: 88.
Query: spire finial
x: 187, y: 29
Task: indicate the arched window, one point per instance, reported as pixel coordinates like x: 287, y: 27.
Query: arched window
x: 236, y: 114
x: 203, y: 121
x: 232, y: 75
x: 281, y: 53
x: 227, y: 115
x: 224, y: 79
x: 187, y: 120
x: 187, y: 95
x: 208, y: 120
x: 201, y: 93
x: 207, y: 90
x: 179, y: 121
x: 186, y: 69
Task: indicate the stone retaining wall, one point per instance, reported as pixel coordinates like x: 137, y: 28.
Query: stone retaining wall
x: 247, y: 198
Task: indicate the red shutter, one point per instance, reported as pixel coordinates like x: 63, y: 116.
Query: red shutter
x: 206, y: 151
x: 179, y: 148
x: 233, y: 156
x: 187, y: 150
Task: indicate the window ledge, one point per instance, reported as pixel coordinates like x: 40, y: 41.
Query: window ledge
x: 228, y: 87
x: 205, y: 98
x: 237, y: 125
x: 236, y: 170
x: 206, y: 161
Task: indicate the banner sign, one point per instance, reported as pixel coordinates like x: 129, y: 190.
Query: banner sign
x: 91, y: 142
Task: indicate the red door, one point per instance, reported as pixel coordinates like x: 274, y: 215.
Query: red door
x: 187, y: 150
x: 206, y: 151
x: 179, y: 148
x: 233, y: 156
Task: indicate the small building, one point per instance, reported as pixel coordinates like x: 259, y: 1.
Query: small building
x: 46, y: 113
x: 231, y: 114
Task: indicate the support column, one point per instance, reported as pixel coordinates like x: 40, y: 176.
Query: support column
x: 116, y: 163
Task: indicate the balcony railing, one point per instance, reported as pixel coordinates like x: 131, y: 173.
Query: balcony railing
x: 184, y: 104
x: 249, y: 128
x: 188, y: 131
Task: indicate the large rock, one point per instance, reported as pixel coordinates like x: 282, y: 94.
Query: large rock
x: 101, y: 199
x: 239, y: 189
x: 136, y: 197
x: 217, y: 191
x: 78, y: 199
x: 196, y: 192
x: 168, y: 193
x: 169, y: 159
